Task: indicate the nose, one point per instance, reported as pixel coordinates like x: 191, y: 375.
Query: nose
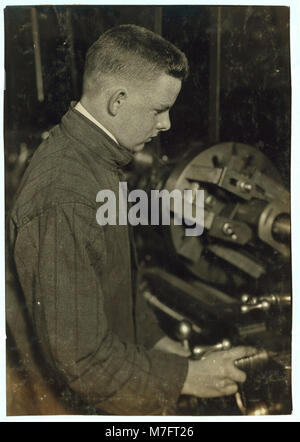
x: 164, y: 123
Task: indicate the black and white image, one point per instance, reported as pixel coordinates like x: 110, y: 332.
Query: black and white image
x: 122, y: 125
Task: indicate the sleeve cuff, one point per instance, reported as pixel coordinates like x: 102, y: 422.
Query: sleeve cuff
x: 170, y: 371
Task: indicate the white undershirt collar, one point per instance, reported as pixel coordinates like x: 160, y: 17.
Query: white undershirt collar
x: 84, y: 112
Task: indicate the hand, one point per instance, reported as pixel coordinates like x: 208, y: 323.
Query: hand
x: 215, y: 375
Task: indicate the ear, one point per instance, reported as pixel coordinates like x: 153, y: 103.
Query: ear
x: 117, y: 99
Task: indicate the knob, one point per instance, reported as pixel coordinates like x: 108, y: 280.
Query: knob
x: 184, y: 332
x: 200, y: 350
x: 264, y: 306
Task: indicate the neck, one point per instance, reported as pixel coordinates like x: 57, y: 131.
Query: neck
x: 97, y: 117
x: 93, y: 109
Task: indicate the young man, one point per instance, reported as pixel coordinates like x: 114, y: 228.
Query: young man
x: 71, y: 309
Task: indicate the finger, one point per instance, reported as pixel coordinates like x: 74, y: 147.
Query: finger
x: 230, y: 389
x: 236, y: 375
x: 224, y: 383
x: 241, y: 352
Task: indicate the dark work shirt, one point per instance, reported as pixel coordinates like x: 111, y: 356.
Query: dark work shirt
x: 69, y: 288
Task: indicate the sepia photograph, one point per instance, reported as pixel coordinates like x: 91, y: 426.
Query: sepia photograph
x: 147, y: 156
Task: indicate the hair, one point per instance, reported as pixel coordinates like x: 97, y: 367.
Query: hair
x: 132, y: 52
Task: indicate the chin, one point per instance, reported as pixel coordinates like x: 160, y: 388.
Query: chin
x: 138, y: 148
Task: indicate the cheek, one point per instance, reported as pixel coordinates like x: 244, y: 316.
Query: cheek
x: 148, y: 123
x: 140, y: 122
x: 144, y: 124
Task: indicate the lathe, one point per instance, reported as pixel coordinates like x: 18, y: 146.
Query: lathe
x: 232, y: 284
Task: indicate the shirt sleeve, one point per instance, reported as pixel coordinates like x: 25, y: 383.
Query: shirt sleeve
x: 66, y: 303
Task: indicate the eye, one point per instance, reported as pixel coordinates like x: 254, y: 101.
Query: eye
x: 159, y: 111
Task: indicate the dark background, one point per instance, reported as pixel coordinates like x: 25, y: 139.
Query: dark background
x: 238, y: 90
x: 239, y: 87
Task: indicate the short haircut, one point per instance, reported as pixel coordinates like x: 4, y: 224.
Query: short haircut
x: 132, y: 52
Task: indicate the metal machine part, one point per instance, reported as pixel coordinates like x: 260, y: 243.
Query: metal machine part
x: 246, y: 208
x: 231, y: 285
x: 266, y: 302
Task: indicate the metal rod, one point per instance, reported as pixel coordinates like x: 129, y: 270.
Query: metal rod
x: 37, y: 55
x: 158, y: 20
x: 218, y: 76
x: 215, y: 74
x: 282, y: 227
x: 70, y: 38
x: 153, y: 300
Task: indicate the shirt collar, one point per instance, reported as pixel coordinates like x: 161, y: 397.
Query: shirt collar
x: 95, y: 139
x: 84, y: 112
